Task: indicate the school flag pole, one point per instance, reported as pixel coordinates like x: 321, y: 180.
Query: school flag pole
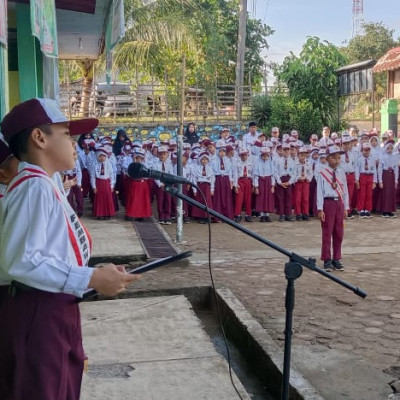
x: 293, y: 270
x: 179, y: 204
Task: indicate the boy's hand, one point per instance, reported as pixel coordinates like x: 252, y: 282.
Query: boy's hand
x: 321, y: 216
x: 236, y: 190
x: 111, y: 280
x: 357, y: 184
x: 345, y: 214
x: 373, y: 186
x: 272, y: 189
x: 381, y: 185
x: 256, y: 190
x: 94, y: 190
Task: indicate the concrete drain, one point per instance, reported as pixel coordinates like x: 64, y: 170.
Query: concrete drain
x: 120, y: 370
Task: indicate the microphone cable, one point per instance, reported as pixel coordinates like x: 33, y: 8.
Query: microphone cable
x: 214, y: 290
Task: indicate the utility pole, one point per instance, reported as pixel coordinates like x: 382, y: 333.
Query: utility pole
x: 241, y: 47
x: 179, y: 205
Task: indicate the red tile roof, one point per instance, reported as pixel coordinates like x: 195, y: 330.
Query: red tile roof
x: 389, y: 62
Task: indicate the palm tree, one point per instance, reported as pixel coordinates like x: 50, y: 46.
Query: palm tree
x: 155, y: 33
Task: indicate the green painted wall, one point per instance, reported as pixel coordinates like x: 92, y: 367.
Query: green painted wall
x: 29, y: 56
x: 4, y: 100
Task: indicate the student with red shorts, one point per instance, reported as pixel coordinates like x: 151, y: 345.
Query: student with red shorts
x: 332, y: 205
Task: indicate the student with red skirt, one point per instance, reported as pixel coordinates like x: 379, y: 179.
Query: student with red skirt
x: 137, y: 197
x: 75, y: 195
x: 264, y: 185
x: 348, y: 164
x: 366, y: 178
x: 102, y: 181
x: 186, y: 188
x: 203, y: 177
x: 164, y: 203
x: 223, y: 171
x: 303, y: 176
x: 388, y: 173
x: 243, y: 183
x: 332, y: 205
x: 284, y: 177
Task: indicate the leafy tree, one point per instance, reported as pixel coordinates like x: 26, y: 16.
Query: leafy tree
x: 312, y: 77
x: 373, y: 44
x: 283, y: 111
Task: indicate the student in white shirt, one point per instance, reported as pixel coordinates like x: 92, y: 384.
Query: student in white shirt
x: 44, y: 250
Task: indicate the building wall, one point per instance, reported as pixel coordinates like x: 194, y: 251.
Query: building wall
x: 396, y: 88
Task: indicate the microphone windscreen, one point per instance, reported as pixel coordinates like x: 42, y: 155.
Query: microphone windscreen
x: 135, y: 170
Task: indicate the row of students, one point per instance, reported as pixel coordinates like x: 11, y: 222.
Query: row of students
x: 292, y: 178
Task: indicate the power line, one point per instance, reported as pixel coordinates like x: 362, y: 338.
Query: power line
x: 266, y: 11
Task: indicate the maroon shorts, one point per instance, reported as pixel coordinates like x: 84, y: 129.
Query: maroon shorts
x: 41, y: 353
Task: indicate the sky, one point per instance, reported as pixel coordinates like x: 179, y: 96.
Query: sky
x: 294, y: 20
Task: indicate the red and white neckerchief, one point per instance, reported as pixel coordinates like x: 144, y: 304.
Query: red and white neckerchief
x: 337, y: 186
x: 79, y: 237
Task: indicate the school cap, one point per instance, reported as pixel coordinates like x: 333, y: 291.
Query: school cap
x: 346, y: 139
x: 225, y: 129
x: 163, y: 149
x: 39, y: 111
x: 243, y: 152
x: 366, y: 146
x: 265, y: 150
x: 204, y: 155
x: 303, y: 149
x: 102, y: 151
x: 275, y: 129
x: 334, y: 149
x: 388, y: 143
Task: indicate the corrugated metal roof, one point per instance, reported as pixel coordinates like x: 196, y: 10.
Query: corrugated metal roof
x: 389, y: 62
x: 356, y: 67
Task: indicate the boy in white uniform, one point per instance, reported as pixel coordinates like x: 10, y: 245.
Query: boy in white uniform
x: 44, y: 250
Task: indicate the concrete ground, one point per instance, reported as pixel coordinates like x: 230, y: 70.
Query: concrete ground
x: 342, y: 343
x: 151, y: 348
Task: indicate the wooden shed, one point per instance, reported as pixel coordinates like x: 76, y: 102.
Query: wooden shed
x: 390, y: 62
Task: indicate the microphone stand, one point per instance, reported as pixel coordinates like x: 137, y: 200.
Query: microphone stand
x: 293, y: 270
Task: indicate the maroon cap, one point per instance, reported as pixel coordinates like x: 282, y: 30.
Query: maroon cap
x: 39, y: 111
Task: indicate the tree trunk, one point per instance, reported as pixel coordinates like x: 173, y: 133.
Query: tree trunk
x: 87, y: 72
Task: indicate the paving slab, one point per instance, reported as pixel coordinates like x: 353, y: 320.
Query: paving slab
x: 151, y: 348
x: 114, y: 240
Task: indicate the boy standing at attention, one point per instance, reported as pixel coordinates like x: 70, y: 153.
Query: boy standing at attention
x: 44, y: 251
x: 332, y: 205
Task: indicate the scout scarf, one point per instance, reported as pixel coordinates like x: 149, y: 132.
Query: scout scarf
x: 78, y: 235
x: 337, y: 186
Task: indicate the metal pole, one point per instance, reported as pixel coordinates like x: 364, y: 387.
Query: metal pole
x: 179, y: 205
x: 373, y: 101
x: 241, y: 47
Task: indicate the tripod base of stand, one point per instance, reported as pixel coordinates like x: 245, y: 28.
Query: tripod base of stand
x: 293, y: 271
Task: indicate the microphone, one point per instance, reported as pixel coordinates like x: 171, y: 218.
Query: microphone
x: 138, y: 170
